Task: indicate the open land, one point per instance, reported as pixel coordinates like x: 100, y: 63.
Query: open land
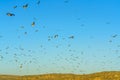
x: 111, y: 75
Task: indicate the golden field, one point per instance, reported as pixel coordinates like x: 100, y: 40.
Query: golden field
x: 113, y: 75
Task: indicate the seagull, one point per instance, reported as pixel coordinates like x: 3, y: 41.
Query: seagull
x: 10, y: 14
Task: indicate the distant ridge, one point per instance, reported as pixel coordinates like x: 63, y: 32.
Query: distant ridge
x: 106, y: 75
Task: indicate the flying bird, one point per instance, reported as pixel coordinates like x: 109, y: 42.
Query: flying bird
x: 110, y: 41
x: 114, y: 36
x: 49, y: 39
x: 56, y: 36
x: 1, y: 57
x: 15, y: 7
x: 71, y: 37
x: 36, y: 30
x: 38, y: 2
x: 21, y: 66
x: 22, y: 27
x: 25, y: 6
x: 10, y: 14
x: 1, y: 36
x: 107, y: 22
x: 33, y: 24
x: 66, y: 1
x: 7, y: 47
x: 25, y: 33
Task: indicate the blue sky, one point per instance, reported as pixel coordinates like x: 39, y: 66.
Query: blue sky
x: 93, y: 23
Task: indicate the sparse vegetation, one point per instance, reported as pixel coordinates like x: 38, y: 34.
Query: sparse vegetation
x: 95, y: 76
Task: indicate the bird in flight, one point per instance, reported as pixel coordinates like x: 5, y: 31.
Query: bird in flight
x: 66, y: 1
x: 25, y: 33
x: 56, y: 36
x: 1, y: 36
x: 36, y: 30
x: 114, y: 36
x: 15, y: 7
x: 38, y: 2
x: 33, y: 24
x: 10, y: 14
x: 25, y: 6
x: 71, y: 37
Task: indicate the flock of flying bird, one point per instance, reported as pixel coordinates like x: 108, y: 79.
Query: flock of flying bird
x: 71, y: 59
x: 24, y: 6
x: 18, y: 56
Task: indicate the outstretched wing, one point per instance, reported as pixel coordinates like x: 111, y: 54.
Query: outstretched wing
x: 10, y: 14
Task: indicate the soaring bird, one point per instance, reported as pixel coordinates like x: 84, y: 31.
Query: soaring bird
x: 15, y: 7
x: 71, y: 37
x: 1, y: 36
x: 25, y: 6
x: 36, y: 30
x: 66, y: 1
x: 38, y: 2
x: 22, y: 27
x: 114, y: 36
x: 25, y: 33
x: 33, y: 24
x: 10, y: 14
x: 56, y: 36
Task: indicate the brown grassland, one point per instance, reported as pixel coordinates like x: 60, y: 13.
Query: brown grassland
x: 112, y: 75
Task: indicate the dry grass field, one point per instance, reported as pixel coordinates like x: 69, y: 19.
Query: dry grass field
x: 114, y: 75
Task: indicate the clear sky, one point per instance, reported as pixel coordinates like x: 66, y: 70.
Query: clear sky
x: 87, y: 36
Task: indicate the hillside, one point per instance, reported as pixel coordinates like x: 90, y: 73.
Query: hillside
x: 114, y: 75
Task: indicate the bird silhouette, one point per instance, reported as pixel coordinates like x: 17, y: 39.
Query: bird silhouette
x: 71, y: 37
x: 56, y: 36
x: 10, y: 14
x: 38, y: 2
x: 36, y: 30
x: 25, y: 6
x: 114, y: 36
x: 66, y: 1
x: 33, y: 24
x: 15, y: 7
